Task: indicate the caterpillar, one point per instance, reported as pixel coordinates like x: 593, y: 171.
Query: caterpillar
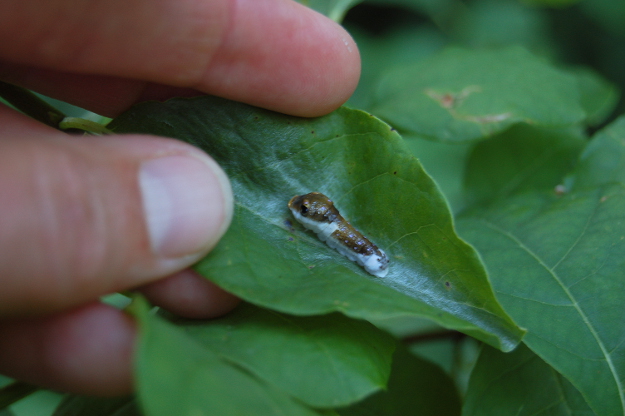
x: 317, y: 212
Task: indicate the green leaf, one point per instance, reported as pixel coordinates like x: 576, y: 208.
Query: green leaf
x: 40, y: 403
x: 175, y: 375
x: 334, y: 9
x: 461, y: 95
x: 557, y: 264
x: 608, y: 14
x: 437, y: 10
x: 324, y: 361
x: 446, y: 164
x: 500, y: 23
x: 403, y: 45
x: 551, y: 3
x: 520, y: 159
x: 30, y: 104
x: 450, y: 350
x: 365, y: 167
x: 415, y: 387
x: 603, y: 160
x: 521, y: 384
x: 598, y: 97
x: 97, y: 406
x: 14, y: 392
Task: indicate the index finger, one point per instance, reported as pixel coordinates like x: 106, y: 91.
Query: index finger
x: 275, y: 54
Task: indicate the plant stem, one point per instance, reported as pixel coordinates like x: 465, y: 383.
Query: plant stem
x: 31, y: 105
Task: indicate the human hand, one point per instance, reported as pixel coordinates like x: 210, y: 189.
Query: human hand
x: 82, y: 217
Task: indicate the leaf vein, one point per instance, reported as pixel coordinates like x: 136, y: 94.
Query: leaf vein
x: 534, y: 300
x: 554, y: 275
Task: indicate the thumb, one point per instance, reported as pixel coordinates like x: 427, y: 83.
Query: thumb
x: 81, y: 217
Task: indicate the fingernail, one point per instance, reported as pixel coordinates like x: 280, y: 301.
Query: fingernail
x: 187, y: 202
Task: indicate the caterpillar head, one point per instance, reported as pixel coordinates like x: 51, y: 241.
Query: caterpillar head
x: 315, y: 206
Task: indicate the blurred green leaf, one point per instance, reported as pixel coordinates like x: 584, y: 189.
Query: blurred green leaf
x: 603, y: 160
x: 30, y: 104
x: 324, y: 361
x: 97, y: 406
x: 365, y: 167
x: 551, y: 3
x: 461, y: 95
x: 522, y: 158
x: 14, y: 392
x: 557, y: 262
x: 445, y: 163
x: 437, y: 10
x: 334, y: 9
x: 416, y: 387
x: 500, y: 23
x: 403, y: 45
x: 598, y: 97
x: 429, y: 341
x: 521, y: 384
x: 176, y: 375
x: 40, y: 403
x: 609, y: 14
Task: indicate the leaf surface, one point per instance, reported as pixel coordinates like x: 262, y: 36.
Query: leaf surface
x: 401, y: 46
x: 598, y: 97
x: 521, y: 384
x: 603, y: 160
x: 416, y: 386
x: 97, y: 406
x: 324, y: 361
x: 522, y: 158
x: 366, y: 169
x: 175, y: 375
x: 446, y: 164
x: 607, y: 14
x: 462, y: 95
x: 557, y: 263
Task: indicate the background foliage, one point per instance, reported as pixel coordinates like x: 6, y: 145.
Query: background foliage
x: 494, y: 123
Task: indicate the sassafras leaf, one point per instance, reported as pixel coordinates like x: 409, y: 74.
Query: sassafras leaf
x: 364, y: 166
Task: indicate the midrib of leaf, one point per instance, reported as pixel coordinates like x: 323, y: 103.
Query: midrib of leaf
x: 579, y: 310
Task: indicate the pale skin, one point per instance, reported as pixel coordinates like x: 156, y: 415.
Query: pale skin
x: 73, y: 222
